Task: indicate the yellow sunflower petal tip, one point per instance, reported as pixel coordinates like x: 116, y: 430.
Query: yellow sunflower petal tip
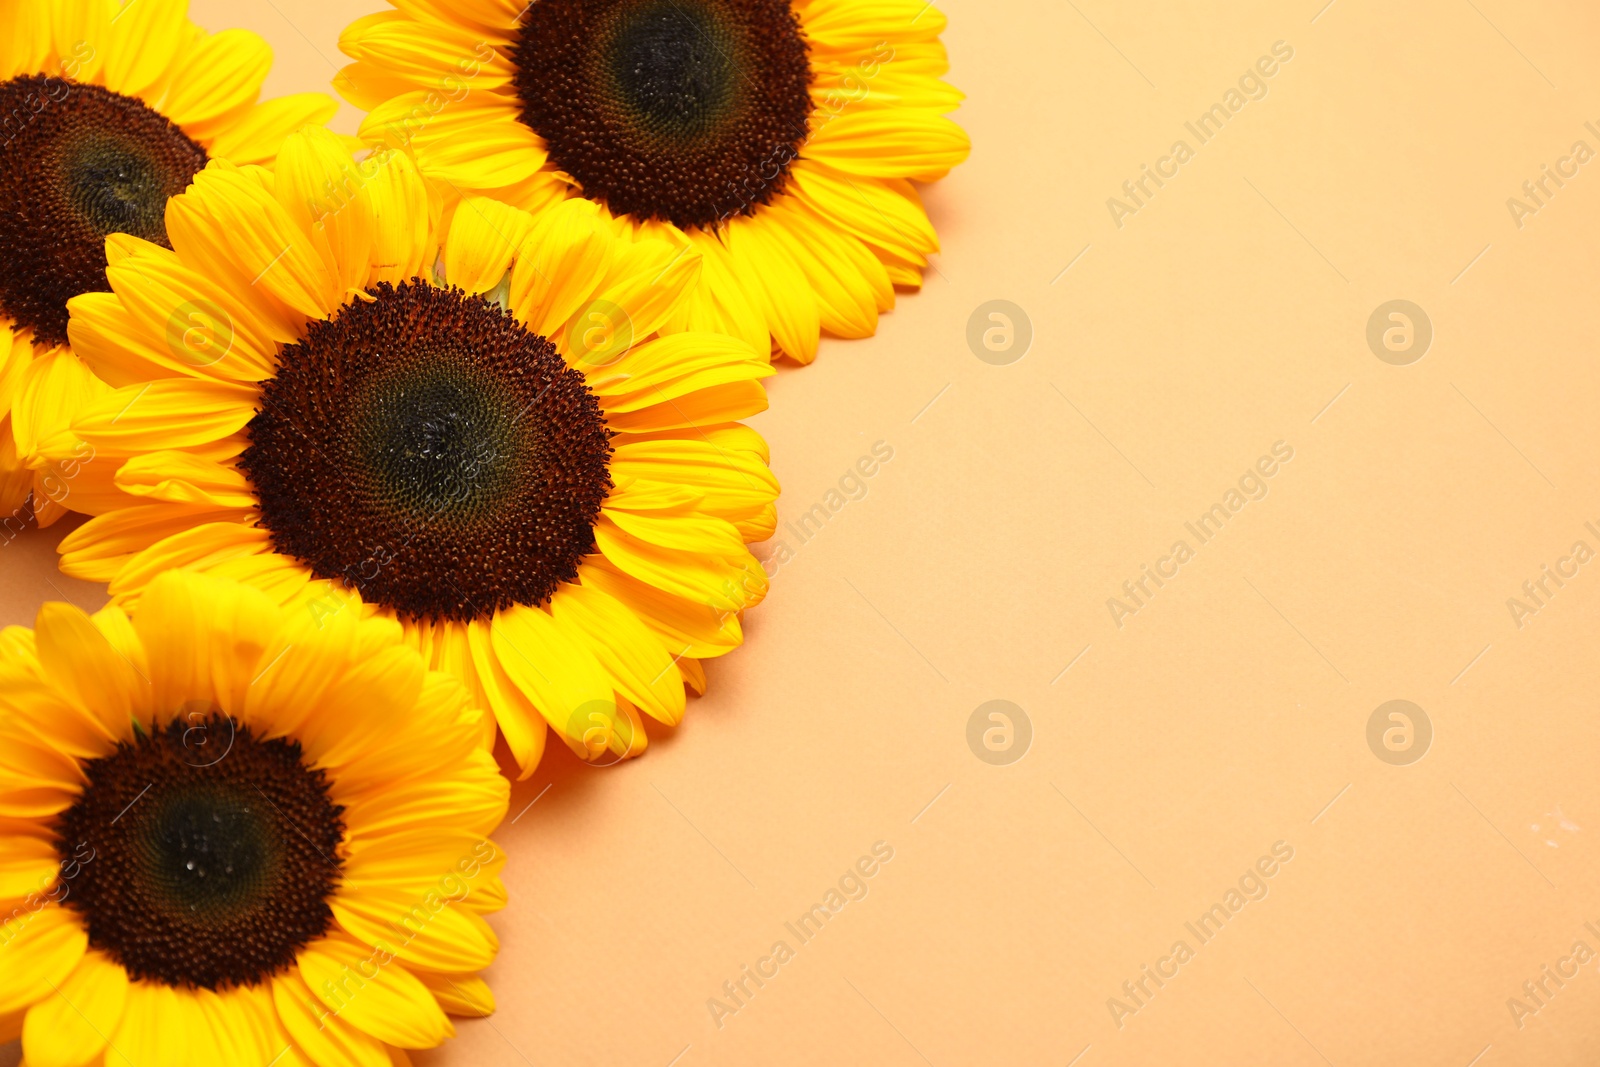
x: 779, y: 136
x: 533, y: 471
x: 227, y: 825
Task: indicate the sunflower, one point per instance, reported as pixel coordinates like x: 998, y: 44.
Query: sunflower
x: 232, y: 834
x: 549, y: 492
x: 105, y: 110
x: 778, y: 138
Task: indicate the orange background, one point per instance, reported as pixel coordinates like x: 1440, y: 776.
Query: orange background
x: 1229, y: 712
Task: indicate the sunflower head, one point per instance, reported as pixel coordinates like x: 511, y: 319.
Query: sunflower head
x: 498, y: 431
x: 684, y: 112
x: 223, y: 820
x: 106, y: 111
x: 779, y: 137
x: 458, y: 432
x: 92, y: 163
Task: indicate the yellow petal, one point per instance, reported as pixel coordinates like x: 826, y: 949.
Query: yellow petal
x: 26, y: 42
x: 460, y: 994
x: 15, y: 355
x: 176, y: 626
x: 256, y: 137
x: 370, y: 692
x: 318, y: 187
x: 81, y: 30
x: 315, y: 644
x: 494, y: 20
x: 721, y: 303
x: 279, y: 578
x: 559, y: 266
x: 413, y: 863
x: 141, y: 44
x: 220, y: 73
x: 170, y: 413
x: 638, y: 665
x: 563, y: 681
x: 157, y: 1026
x: 886, y: 213
x: 203, y: 246
x: 230, y: 627
x: 197, y: 321
x: 326, y: 1039
x: 649, y: 280
x: 425, y: 53
x: 16, y: 481
x: 476, y: 798
x: 240, y: 1024
x: 98, y: 549
x: 733, y: 483
x: 367, y: 85
x: 27, y: 865
x: 382, y: 999
x: 41, y: 948
x: 237, y: 632
x: 405, y: 217
x: 107, y: 336
x: 54, y: 388
x: 695, y: 410
x: 848, y: 281
x: 484, y: 235
x: 197, y: 548
x: 518, y: 718
x: 694, y: 674
x: 71, y: 1026
x: 717, y: 582
x: 662, y: 370
x: 849, y: 24
x: 426, y: 931
x: 110, y: 684
x: 262, y: 238
x: 890, y: 143
x: 184, y: 478
x: 677, y: 530
x: 469, y: 138
x: 777, y: 286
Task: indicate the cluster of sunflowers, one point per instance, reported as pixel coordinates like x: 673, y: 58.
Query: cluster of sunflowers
x: 393, y: 448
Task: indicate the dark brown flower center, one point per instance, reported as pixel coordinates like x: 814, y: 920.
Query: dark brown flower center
x: 201, y: 856
x: 685, y: 110
x: 78, y: 162
x: 429, y: 451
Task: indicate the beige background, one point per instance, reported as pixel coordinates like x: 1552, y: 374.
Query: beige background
x: 1230, y: 712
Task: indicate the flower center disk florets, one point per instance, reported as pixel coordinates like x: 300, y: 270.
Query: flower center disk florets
x: 201, y: 856
x: 690, y: 111
x: 426, y: 449
x: 78, y: 162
